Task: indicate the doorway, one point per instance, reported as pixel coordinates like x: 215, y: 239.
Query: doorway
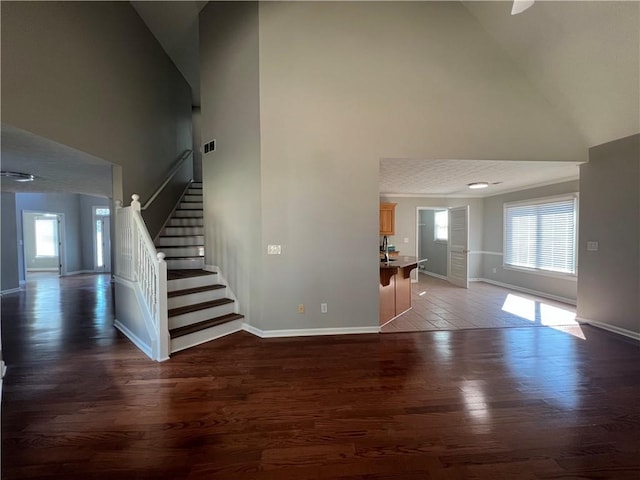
x: 102, y: 239
x: 43, y: 240
x: 433, y: 241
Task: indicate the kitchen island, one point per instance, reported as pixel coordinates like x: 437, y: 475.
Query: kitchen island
x: 395, y: 286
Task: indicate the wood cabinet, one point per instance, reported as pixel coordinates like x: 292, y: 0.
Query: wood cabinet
x: 387, y: 218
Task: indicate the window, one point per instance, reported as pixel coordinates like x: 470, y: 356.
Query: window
x: 46, y: 237
x: 441, y: 226
x: 541, y: 234
x: 104, y: 212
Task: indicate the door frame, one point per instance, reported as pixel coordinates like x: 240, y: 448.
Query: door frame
x: 106, y: 268
x: 439, y: 209
x: 62, y: 244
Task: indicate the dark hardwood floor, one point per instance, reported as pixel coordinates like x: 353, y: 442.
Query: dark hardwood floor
x: 81, y: 402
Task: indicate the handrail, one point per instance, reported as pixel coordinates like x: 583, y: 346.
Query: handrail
x: 186, y: 154
x: 138, y: 262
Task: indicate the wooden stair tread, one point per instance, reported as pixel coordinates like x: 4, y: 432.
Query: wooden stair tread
x: 175, y: 274
x: 199, y: 306
x: 188, y: 291
x: 196, y: 327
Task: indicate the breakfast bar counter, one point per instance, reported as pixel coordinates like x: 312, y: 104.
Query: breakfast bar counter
x: 395, y: 286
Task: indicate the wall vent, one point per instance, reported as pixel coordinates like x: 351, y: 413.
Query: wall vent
x: 210, y: 146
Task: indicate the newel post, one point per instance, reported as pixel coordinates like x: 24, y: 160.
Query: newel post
x: 163, y: 313
x: 135, y: 202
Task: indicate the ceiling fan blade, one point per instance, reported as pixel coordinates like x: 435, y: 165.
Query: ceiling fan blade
x: 520, y: 6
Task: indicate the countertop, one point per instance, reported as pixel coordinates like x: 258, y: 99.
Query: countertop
x: 401, y: 261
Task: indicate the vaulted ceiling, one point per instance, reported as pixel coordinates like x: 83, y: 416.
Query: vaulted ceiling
x: 582, y: 56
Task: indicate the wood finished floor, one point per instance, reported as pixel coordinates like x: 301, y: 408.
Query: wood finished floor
x: 81, y: 402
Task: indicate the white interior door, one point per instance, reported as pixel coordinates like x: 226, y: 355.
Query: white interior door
x: 459, y: 246
x: 102, y: 238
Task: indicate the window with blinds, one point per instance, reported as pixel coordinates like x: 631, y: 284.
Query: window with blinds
x: 541, y: 234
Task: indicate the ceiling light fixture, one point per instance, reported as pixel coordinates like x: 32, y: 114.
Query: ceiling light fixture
x: 476, y: 185
x: 18, y: 176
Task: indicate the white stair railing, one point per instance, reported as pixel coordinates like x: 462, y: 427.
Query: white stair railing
x: 138, y: 262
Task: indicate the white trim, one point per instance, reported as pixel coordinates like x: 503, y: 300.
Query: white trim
x: 542, y: 273
x: 436, y: 275
x: 3, y: 368
x: 10, y: 290
x: 308, y: 332
x: 80, y: 272
x: 526, y: 290
x: 223, y: 281
x: 610, y: 328
x: 486, y: 252
x: 146, y: 349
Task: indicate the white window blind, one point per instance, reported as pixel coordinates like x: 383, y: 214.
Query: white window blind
x: 541, y: 235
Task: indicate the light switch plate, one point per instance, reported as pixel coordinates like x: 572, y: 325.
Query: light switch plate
x: 274, y: 249
x: 592, y: 246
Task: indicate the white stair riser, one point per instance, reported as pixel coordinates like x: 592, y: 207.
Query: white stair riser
x: 201, y: 315
x: 184, y: 241
x: 195, y: 185
x: 187, y: 213
x: 185, y: 222
x: 196, y: 338
x: 193, y: 298
x: 192, y: 198
x: 185, y: 263
x: 183, y: 231
x: 191, y: 205
x: 191, y: 282
x: 183, y: 251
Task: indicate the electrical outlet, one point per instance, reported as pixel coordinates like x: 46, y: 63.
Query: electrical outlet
x: 592, y: 246
x: 274, y: 249
x: 405, y: 240
x: 323, y: 308
x: 495, y: 270
x: 301, y: 308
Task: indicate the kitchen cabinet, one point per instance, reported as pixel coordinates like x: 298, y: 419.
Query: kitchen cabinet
x: 395, y: 287
x: 387, y: 218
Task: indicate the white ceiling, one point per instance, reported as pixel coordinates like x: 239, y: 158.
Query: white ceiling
x: 58, y: 168
x: 451, y: 177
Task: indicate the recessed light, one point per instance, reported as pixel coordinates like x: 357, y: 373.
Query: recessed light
x: 476, y: 185
x: 18, y: 176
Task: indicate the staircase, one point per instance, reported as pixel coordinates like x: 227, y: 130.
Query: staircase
x: 198, y: 307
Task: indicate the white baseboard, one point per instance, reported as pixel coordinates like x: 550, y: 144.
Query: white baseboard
x: 435, y: 275
x: 80, y: 272
x: 527, y: 290
x: 10, y: 290
x: 610, y: 328
x: 308, y: 332
x: 146, y: 349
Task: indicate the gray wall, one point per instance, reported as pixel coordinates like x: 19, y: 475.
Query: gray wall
x: 78, y: 234
x: 90, y: 75
x: 230, y: 113
x: 406, y: 225
x: 434, y: 252
x: 609, y: 279
x: 9, y: 256
x: 565, y: 288
x: 334, y: 96
x: 31, y: 260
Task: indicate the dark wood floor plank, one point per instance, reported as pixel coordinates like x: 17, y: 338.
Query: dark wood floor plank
x: 81, y: 402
